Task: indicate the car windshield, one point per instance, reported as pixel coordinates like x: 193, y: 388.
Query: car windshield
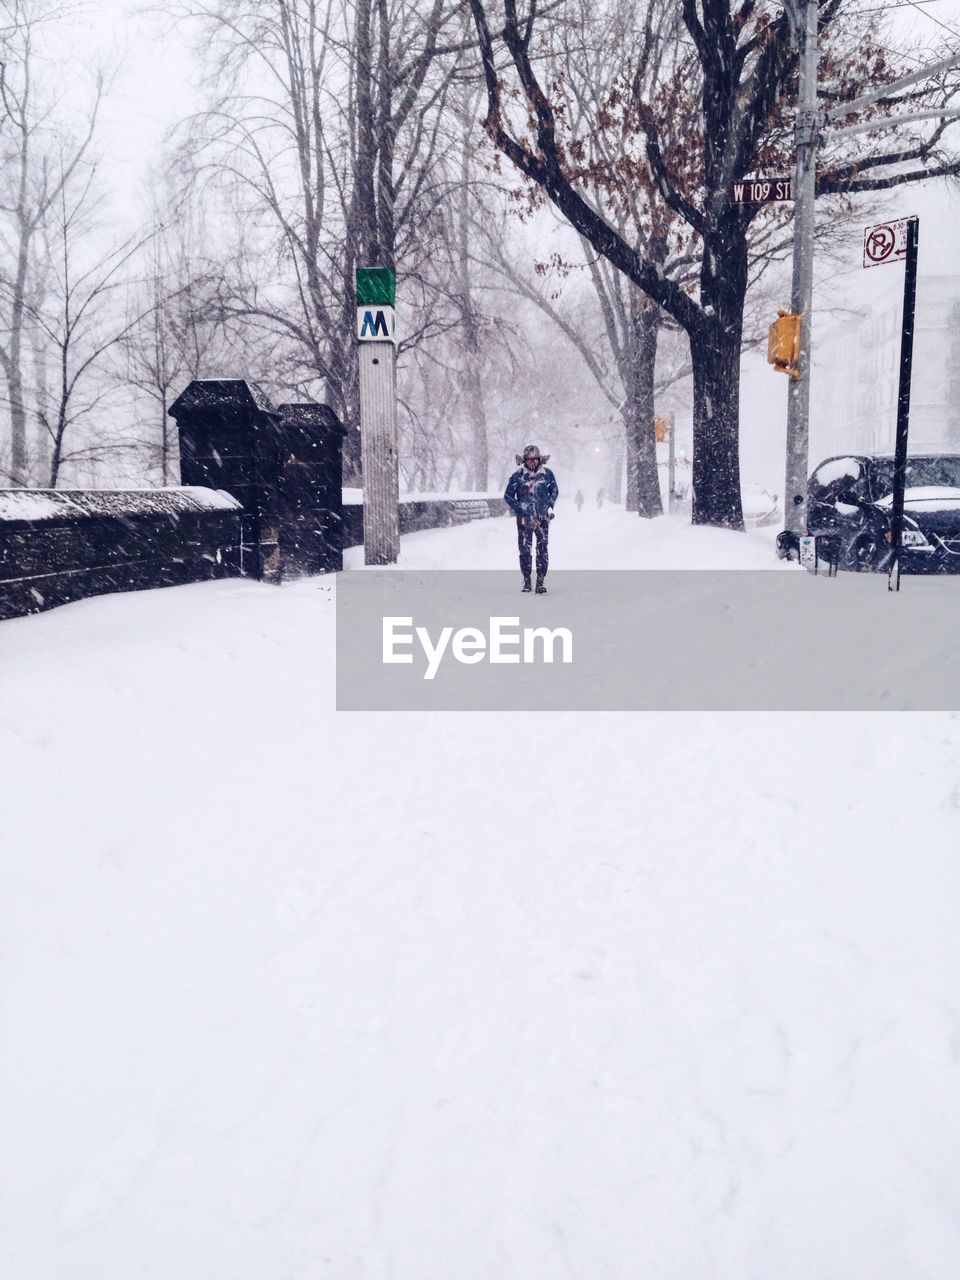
x: 921, y: 473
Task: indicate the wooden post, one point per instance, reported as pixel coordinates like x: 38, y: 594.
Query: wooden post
x: 376, y: 334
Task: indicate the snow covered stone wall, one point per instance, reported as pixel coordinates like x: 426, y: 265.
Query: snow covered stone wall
x: 62, y: 545
x: 423, y: 511
x: 261, y: 498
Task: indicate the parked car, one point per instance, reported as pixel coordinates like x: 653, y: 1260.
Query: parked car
x: 760, y: 506
x: 851, y: 497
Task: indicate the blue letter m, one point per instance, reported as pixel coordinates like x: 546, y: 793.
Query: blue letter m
x: 374, y: 323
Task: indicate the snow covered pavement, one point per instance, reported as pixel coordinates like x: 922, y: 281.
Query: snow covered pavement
x: 594, y: 539
x: 287, y: 993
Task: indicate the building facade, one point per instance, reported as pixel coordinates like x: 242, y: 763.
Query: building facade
x: 857, y: 368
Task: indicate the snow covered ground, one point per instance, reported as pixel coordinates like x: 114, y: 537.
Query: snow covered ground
x: 594, y: 539
x: 292, y: 994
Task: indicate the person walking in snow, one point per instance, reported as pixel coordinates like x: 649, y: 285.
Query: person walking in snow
x: 578, y: 499
x: 599, y: 498
x: 531, y: 494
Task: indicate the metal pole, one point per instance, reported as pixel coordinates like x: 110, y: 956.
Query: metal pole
x: 801, y: 297
x: 376, y: 336
x: 903, y: 399
x: 938, y: 113
x: 887, y: 90
x: 672, y: 463
x: 378, y: 425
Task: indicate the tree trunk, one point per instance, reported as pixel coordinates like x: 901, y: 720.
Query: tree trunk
x: 56, y: 459
x: 616, y: 487
x: 716, y: 434
x: 44, y: 452
x: 169, y: 444
x: 19, y: 464
x: 630, y: 436
x: 715, y: 353
x: 365, y: 207
x: 639, y: 410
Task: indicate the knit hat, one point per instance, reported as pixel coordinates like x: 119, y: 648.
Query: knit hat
x: 531, y: 451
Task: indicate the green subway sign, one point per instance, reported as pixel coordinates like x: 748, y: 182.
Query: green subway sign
x: 376, y: 287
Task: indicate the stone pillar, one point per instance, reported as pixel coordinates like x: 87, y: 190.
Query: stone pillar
x: 311, y: 492
x: 283, y: 466
x: 231, y: 438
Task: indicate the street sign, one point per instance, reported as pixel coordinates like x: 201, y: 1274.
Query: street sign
x: 376, y: 287
x: 376, y: 324
x: 886, y: 242
x: 761, y: 190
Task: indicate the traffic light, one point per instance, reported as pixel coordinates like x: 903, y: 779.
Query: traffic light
x: 783, y: 343
x: 660, y: 428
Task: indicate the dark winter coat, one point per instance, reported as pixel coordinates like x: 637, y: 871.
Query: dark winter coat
x: 531, y: 494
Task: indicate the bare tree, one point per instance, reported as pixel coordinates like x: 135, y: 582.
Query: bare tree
x: 82, y: 317
x: 37, y: 159
x: 322, y: 142
x: 738, y: 61
x: 173, y: 331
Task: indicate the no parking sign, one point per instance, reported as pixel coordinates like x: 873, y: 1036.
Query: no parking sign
x: 886, y: 242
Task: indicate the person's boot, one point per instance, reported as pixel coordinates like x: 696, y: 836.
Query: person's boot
x: 541, y: 589
x: 526, y: 582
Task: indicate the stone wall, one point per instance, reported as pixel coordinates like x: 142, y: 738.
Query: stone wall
x: 435, y: 512
x: 282, y: 463
x: 261, y: 497
x: 58, y: 545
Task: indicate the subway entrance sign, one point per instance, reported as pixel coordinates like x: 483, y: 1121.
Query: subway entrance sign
x: 376, y: 302
x: 376, y: 324
x: 376, y: 287
x: 761, y: 190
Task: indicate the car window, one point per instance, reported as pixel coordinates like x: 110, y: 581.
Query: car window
x: 921, y: 473
x: 832, y: 476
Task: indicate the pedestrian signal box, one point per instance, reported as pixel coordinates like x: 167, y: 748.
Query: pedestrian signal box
x: 783, y: 343
x: 660, y: 428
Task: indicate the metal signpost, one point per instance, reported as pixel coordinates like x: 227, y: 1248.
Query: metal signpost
x: 894, y: 242
x: 376, y: 335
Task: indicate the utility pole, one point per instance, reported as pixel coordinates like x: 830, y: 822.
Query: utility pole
x: 804, y: 16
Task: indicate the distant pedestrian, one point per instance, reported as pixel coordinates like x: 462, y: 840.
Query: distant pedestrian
x: 599, y: 498
x: 578, y: 499
x: 530, y: 494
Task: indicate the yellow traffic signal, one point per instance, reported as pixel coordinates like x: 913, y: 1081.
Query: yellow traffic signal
x: 660, y: 427
x: 783, y: 343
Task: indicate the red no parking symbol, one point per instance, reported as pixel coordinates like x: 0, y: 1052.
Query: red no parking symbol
x: 886, y: 242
